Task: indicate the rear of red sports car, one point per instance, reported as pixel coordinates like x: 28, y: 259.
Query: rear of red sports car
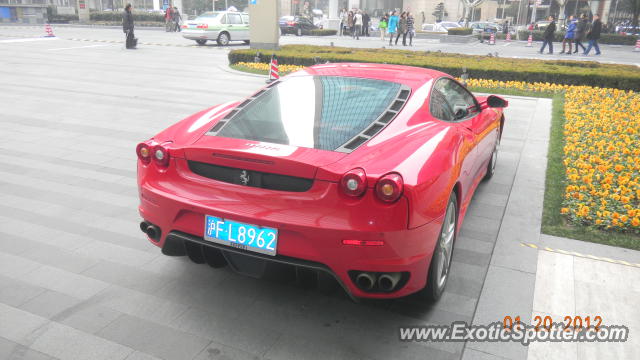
x: 313, y: 172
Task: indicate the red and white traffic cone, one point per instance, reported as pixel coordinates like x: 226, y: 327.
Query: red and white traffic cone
x: 530, y: 41
x: 48, y: 30
x: 492, y: 39
x: 637, y: 48
x: 508, y: 37
x: 273, y: 69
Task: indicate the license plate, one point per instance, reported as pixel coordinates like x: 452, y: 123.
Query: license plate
x: 240, y: 235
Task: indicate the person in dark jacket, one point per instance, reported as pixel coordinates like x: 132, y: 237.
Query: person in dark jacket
x: 402, y: 29
x: 594, y: 34
x: 127, y: 27
x: 366, y: 22
x: 548, y: 35
x: 569, y: 35
x: 581, y: 30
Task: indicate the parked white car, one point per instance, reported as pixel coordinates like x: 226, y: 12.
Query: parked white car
x: 441, y: 27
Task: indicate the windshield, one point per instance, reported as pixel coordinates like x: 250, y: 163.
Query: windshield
x: 321, y: 112
x: 209, y: 15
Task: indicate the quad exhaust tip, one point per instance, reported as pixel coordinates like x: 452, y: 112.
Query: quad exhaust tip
x: 152, y: 231
x: 366, y: 280
x: 388, y: 281
x: 379, y: 282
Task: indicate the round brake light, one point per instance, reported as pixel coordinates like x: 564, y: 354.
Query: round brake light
x: 389, y: 188
x: 354, y: 182
x: 161, y: 156
x: 144, y: 153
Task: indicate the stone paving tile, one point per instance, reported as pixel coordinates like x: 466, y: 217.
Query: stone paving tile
x: 49, y: 303
x: 10, y: 350
x: 15, y: 292
x: 19, y: 326
x: 67, y: 343
x: 215, y: 351
x: 64, y: 282
x: 127, y: 276
x: 154, y: 339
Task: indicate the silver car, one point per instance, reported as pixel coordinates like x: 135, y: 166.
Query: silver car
x: 221, y: 26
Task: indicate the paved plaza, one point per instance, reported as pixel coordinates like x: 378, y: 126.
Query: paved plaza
x: 78, y: 280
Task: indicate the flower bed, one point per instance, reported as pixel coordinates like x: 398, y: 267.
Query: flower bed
x: 601, y: 153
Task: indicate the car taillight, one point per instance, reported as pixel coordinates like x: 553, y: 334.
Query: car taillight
x: 389, y: 187
x: 160, y: 156
x: 291, y: 23
x: 354, y: 182
x: 144, y: 153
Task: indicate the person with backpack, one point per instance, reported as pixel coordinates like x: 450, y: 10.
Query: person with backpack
x: 594, y: 34
x: 127, y: 27
x: 382, y: 25
x: 548, y: 35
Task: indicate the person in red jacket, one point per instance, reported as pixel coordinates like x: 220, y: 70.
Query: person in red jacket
x: 168, y: 19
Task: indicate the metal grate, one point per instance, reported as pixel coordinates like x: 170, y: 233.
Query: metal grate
x: 250, y: 177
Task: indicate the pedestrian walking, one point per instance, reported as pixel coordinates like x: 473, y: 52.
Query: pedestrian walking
x: 402, y: 29
x: 569, y: 35
x: 167, y: 18
x: 127, y: 27
x: 366, y: 23
x: 505, y: 27
x: 350, y: 23
x: 176, y: 17
x: 357, y: 23
x: 581, y: 30
x: 382, y: 25
x: 547, y: 37
x: 392, y: 28
x: 411, y: 30
x: 594, y: 34
x: 344, y: 18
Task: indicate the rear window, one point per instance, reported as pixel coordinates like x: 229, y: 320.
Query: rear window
x: 209, y: 15
x: 321, y: 112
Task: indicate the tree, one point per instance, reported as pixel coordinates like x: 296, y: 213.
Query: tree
x: 440, y: 12
x: 468, y: 6
x: 633, y: 7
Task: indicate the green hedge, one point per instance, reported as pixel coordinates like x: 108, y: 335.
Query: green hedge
x: 481, y: 67
x: 117, y: 16
x: 611, y: 39
x: 460, y: 31
x: 62, y: 18
x: 323, y: 32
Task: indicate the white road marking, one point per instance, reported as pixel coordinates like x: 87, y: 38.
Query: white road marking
x: 80, y: 47
x: 28, y: 39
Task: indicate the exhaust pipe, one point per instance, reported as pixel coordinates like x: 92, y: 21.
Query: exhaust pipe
x: 143, y: 226
x: 366, y: 280
x: 388, y: 281
x: 153, y: 232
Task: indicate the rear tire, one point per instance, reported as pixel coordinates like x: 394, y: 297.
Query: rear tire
x: 491, y: 167
x: 201, y: 42
x: 223, y: 39
x: 443, y: 253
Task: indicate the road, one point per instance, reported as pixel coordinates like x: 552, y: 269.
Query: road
x: 79, y: 281
x: 517, y: 49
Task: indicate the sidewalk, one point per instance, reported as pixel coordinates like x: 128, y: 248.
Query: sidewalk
x: 533, y: 274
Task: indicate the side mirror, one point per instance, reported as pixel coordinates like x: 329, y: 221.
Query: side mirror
x: 494, y: 101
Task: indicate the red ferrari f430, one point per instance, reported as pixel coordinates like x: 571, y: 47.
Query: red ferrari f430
x: 361, y: 172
